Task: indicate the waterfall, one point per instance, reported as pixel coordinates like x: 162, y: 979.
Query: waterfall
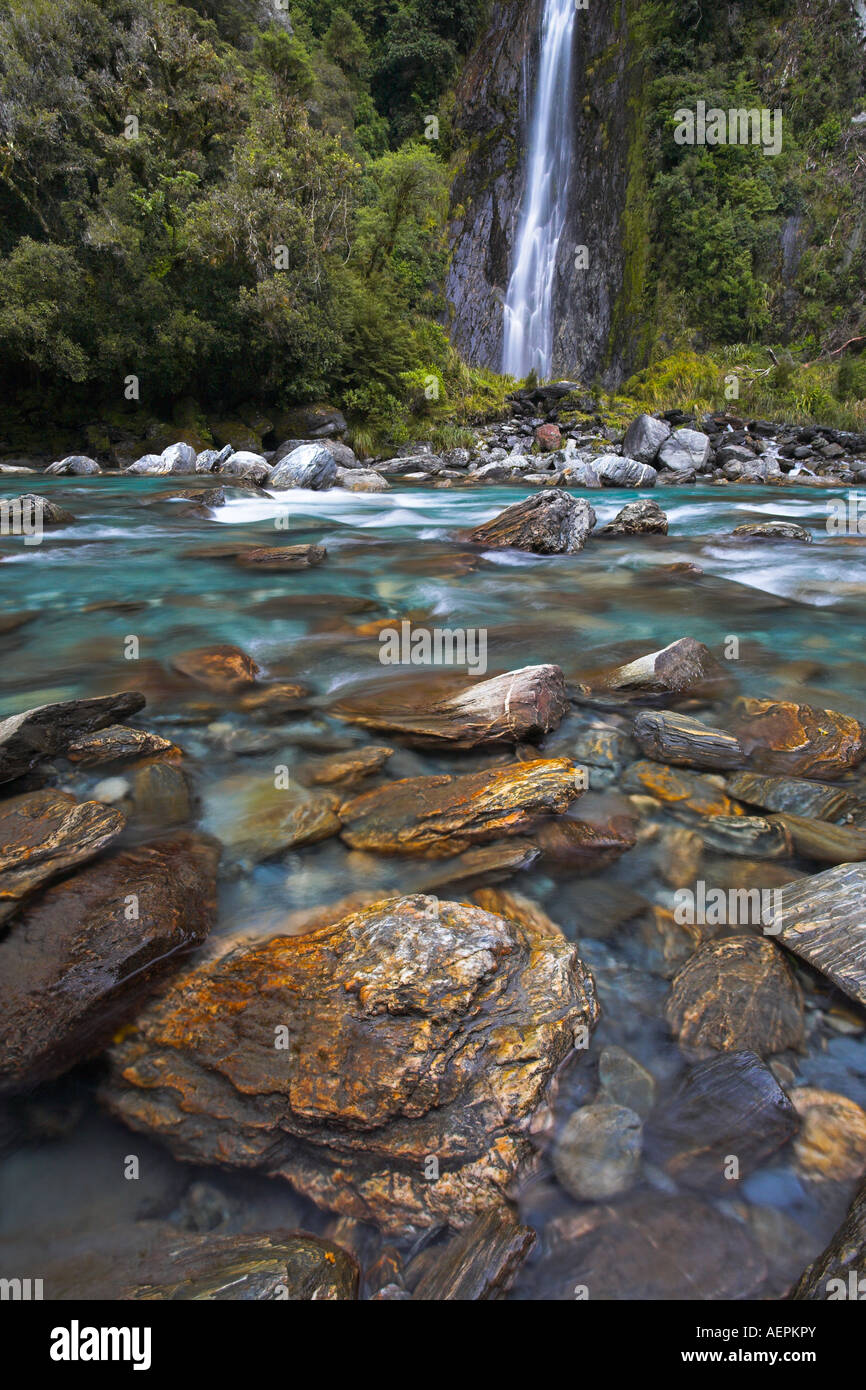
x: 528, y: 336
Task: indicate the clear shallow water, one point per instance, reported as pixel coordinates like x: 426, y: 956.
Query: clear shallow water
x: 127, y: 567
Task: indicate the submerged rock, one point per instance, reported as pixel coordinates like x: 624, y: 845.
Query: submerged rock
x: 76, y: 964
x: 441, y: 815
x: 750, y: 837
x: 638, y: 519
x: 47, y: 730
x: 821, y: 919
x: 547, y: 523
x: 115, y: 744
x: 282, y: 557
x: 791, y: 739
x: 44, y: 832
x: 296, y: 1268
x: 730, y: 1106
x: 815, y: 800
x: 737, y: 994
x: 417, y: 1029
x: 597, y: 1155
x: 773, y: 531
x: 831, y: 1146
x: 221, y: 668
x: 518, y: 706
x: 684, y: 794
x: 683, y: 742
x: 256, y: 819
x: 581, y: 847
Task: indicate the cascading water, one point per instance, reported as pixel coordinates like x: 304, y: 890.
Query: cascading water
x: 528, y: 337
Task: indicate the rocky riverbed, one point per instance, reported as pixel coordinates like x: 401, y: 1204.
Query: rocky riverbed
x: 344, y: 959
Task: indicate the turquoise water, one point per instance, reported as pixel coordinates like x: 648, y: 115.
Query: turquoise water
x: 127, y: 567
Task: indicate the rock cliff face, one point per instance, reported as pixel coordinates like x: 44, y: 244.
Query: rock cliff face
x: 595, y: 308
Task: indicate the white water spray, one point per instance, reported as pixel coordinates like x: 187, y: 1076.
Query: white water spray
x: 528, y: 338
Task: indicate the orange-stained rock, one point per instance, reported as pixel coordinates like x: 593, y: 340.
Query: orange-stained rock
x: 443, y: 815
x: 736, y: 994
x: 579, y: 847
x: 44, y: 832
x: 345, y: 1060
x: 222, y: 668
x: 345, y: 769
x: 116, y: 743
x: 831, y: 1145
x: 797, y: 740
x: 76, y: 964
x: 293, y: 1266
x: 684, y: 793
x: 517, y: 908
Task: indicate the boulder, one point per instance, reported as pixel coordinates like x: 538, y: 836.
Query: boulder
x: 644, y: 437
x: 179, y: 458
x: 33, y: 508
x: 580, y: 474
x: 42, y: 833
x: 547, y: 523
x: 76, y: 964
x: 314, y: 422
x: 211, y: 460
x: 548, y: 438
x: 520, y: 705
x: 684, y: 667
x: 361, y: 480
x: 47, y: 730
x: 685, y: 451
x: 76, y: 465
x: 797, y: 740
x: 245, y: 464
x: 638, y: 519
x: 736, y: 994
x: 624, y: 472
x: 310, y: 466
x: 441, y: 815
x: 415, y: 1027
x: 149, y: 465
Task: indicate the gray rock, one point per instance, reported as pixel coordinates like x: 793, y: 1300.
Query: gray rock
x: 311, y: 466
x: 597, y: 1156
x: 245, y: 464
x: 343, y: 455
x: 149, y: 465
x: 625, y: 1082
x: 753, y: 470
x: 580, y: 474
x: 684, y: 450
x: 774, y: 531
x: 547, y: 523
x: 638, y: 518
x: 180, y: 458
x: 211, y: 460
x: 412, y: 463
x: 77, y: 464
x: 734, y: 453
x: 624, y: 472
x: 644, y: 437
x: 361, y: 480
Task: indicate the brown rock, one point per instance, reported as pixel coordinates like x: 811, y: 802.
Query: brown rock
x: 160, y: 795
x: 548, y: 438
x: 416, y: 1029
x: 793, y: 795
x: 273, y: 701
x: 76, y: 964
x: 574, y: 846
x: 441, y: 815
x: 750, y: 837
x: 283, y: 557
x: 684, y: 793
x: 345, y: 769
x: 44, y: 832
x: 517, y: 908
x: 222, y: 668
x: 686, y: 665
x: 641, y: 518
x: 520, y: 705
x: 118, y: 743
x: 817, y: 839
x: 821, y: 919
x: 837, y: 1274
x: 795, y: 740
x: 479, y: 1264
x: 736, y: 995
x: 295, y: 1267
x: 548, y: 523
x: 831, y: 1146
x: 49, y: 729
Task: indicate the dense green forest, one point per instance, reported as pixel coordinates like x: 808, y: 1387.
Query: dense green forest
x: 230, y: 203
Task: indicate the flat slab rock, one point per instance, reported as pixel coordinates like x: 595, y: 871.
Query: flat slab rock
x: 479, y: 1264
x: 42, y: 833
x: 796, y: 795
x: 441, y: 815
x: 547, y: 523
x: 823, y: 921
x: 255, y: 819
x: 680, y: 741
x: 524, y: 704
x: 47, y: 730
x: 736, y: 994
x: 295, y: 1268
x: 416, y: 1028
x: 117, y: 743
x: 797, y: 740
x: 75, y: 966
